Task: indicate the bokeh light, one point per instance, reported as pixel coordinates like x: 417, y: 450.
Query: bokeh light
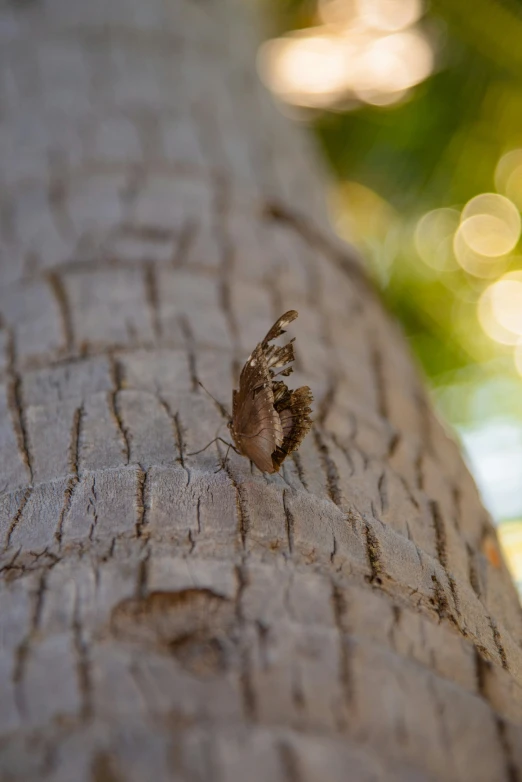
x: 386, y: 15
x: 490, y: 224
x: 488, y: 308
x: 434, y: 238
x: 510, y: 536
x: 389, y: 65
x: 390, y: 15
x: 483, y: 266
x: 366, y: 51
x: 506, y: 302
x: 308, y: 70
x: 508, y: 176
x: 489, y: 230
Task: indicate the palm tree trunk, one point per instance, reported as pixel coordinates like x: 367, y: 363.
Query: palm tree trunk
x: 350, y: 618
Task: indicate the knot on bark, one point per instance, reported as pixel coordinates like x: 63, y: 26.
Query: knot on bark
x: 196, y: 626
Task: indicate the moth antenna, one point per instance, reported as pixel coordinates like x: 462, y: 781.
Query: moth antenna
x: 223, y: 410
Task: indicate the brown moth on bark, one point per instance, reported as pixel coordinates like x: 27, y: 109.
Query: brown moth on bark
x: 269, y: 420
x: 352, y: 620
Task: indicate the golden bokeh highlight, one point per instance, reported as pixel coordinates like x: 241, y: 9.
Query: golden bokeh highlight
x: 473, y: 262
x: 491, y: 224
x: 488, y: 320
x: 390, y: 15
x: 510, y: 538
x: 386, y: 15
x: 489, y: 230
x: 433, y: 238
x: 488, y: 235
x: 508, y: 176
x: 390, y: 65
x: 500, y: 309
x: 506, y: 302
x: 306, y: 69
x: 366, y: 50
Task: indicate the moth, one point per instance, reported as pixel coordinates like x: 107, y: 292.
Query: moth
x: 269, y: 420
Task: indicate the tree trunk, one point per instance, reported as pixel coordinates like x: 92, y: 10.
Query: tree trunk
x: 348, y: 619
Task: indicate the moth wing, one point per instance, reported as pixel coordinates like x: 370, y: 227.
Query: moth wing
x: 279, y: 326
x: 294, y: 411
x: 256, y: 423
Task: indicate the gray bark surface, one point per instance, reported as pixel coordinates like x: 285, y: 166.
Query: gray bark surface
x: 348, y: 619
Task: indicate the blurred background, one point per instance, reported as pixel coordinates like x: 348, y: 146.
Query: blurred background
x: 418, y: 111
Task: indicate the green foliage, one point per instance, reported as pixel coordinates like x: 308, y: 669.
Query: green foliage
x: 438, y: 148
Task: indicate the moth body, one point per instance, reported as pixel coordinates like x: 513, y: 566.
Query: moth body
x: 269, y: 420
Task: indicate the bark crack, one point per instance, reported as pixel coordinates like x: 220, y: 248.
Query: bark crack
x: 67, y: 500
x: 188, y: 337
x: 442, y: 549
x: 15, y: 402
x: 289, y: 523
x: 512, y: 774
x: 290, y: 762
x: 142, y: 579
x: 247, y: 687
x: 325, y: 404
x: 377, y: 364
x: 142, y: 491
x: 241, y: 505
x: 482, y: 668
x: 62, y: 300
x: 92, y: 506
x: 339, y: 610
x: 152, y: 297
x: 498, y: 643
x: 473, y: 574
x: 23, y: 649
x: 185, y: 240
x: 18, y: 516
x: 74, y: 448
x: 299, y: 468
x: 383, y: 492
x: 83, y: 667
x: 176, y: 429
x: 345, y: 452
x: 124, y: 432
x: 329, y: 468
x: 373, y: 551
x: 440, y: 602
x: 440, y: 533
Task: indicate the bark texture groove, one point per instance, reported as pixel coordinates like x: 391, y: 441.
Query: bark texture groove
x: 349, y: 619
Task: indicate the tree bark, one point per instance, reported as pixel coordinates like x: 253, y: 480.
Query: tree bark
x: 348, y: 619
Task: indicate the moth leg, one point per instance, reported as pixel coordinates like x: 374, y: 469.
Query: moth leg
x: 215, y: 440
x: 224, y: 462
